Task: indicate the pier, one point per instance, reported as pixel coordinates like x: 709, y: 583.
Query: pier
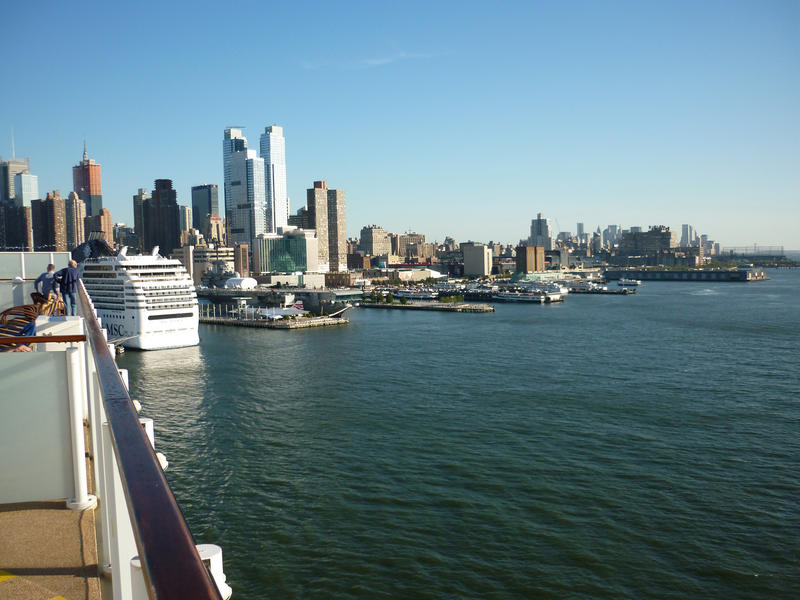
x: 705, y: 275
x: 437, y: 306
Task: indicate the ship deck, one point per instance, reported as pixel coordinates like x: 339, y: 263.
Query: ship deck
x: 48, y: 552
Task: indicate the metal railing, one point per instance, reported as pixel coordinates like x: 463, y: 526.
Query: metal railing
x: 170, y: 563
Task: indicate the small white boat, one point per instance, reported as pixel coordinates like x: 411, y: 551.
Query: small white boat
x: 628, y: 282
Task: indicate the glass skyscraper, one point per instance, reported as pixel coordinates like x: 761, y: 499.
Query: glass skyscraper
x: 273, y: 151
x: 247, y: 213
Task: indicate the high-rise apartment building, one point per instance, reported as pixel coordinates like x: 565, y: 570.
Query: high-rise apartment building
x: 541, y: 232
x: 477, y: 259
x: 185, y: 216
x: 26, y: 188
x: 138, y: 215
x: 100, y: 225
x: 86, y: 183
x: 374, y: 241
x: 8, y: 170
x: 75, y: 213
x: 326, y: 214
x: 205, y: 202
x: 273, y: 151
x: 161, y: 220
x: 639, y: 243
x: 530, y: 259
x: 48, y: 217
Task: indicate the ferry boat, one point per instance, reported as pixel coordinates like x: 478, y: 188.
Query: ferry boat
x: 535, y: 297
x: 145, y: 301
x: 416, y: 294
x: 628, y: 282
x: 538, y: 297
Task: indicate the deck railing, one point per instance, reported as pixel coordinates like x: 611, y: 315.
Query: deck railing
x: 139, y: 514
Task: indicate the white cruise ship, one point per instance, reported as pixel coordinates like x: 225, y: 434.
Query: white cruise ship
x: 144, y: 301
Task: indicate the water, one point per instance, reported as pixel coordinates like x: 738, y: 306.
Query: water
x: 609, y: 447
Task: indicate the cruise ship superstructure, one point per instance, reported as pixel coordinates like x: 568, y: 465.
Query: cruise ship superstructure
x: 144, y: 301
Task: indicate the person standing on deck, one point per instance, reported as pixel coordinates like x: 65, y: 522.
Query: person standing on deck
x: 48, y: 281
x: 68, y: 283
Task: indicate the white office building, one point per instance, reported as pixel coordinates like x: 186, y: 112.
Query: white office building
x: 245, y: 197
x: 273, y: 151
x: 541, y: 233
x: 26, y: 188
x: 233, y: 141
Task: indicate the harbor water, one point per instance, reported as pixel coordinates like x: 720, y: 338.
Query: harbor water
x: 641, y: 446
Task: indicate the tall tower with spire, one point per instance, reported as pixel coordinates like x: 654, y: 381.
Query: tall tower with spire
x: 87, y: 184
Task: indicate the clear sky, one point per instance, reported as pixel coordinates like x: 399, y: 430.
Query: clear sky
x: 448, y: 118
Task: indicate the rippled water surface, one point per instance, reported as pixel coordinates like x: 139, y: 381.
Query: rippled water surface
x: 609, y: 447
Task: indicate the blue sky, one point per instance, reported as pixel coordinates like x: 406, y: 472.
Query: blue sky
x: 462, y: 119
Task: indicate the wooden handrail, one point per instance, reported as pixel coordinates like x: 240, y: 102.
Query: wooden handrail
x: 171, y: 565
x: 42, y: 339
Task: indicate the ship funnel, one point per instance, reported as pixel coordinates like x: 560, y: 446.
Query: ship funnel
x: 155, y: 251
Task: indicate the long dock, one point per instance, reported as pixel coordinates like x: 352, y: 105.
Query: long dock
x: 301, y: 323
x: 701, y: 275
x: 437, y: 306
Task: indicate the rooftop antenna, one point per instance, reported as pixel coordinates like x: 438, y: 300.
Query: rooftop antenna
x: 85, y: 156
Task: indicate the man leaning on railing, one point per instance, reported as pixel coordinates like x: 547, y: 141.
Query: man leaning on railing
x: 68, y: 283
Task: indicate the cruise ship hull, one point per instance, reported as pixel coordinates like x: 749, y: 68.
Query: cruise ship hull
x: 145, y: 302
x: 178, y: 333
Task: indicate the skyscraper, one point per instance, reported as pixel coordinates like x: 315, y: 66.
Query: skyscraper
x: 16, y: 231
x: 86, y: 183
x: 233, y: 141
x: 273, y: 151
x: 245, y: 205
x: 8, y: 170
x: 185, y: 217
x: 205, y: 202
x: 161, y: 221
x: 138, y: 215
x: 326, y: 215
x: 75, y: 210
x: 26, y: 189
x: 48, y: 217
x: 541, y: 233
x: 688, y: 235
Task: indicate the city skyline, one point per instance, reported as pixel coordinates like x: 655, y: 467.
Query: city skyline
x: 640, y: 116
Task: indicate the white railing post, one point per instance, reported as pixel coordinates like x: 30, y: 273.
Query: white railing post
x: 82, y: 499
x: 122, y: 543
x: 211, y: 554
x: 138, y: 586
